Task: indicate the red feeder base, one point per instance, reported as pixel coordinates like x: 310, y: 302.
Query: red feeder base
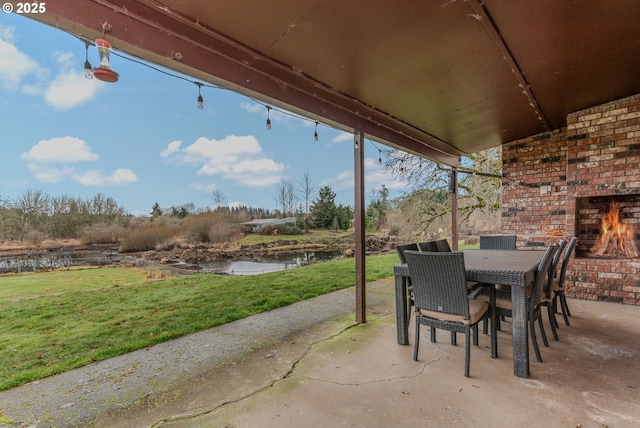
x: 105, y: 74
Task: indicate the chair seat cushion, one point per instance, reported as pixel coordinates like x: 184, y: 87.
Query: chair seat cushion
x: 503, y: 298
x: 472, y: 285
x: 477, y: 308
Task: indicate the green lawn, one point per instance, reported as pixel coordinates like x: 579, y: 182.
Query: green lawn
x: 55, y: 321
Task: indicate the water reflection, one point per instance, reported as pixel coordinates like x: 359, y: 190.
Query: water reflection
x: 254, y: 266
x: 260, y: 265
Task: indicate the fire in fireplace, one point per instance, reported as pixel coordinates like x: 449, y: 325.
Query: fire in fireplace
x: 616, y: 237
x: 607, y: 226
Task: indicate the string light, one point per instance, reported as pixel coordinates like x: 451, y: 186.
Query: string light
x: 379, y: 157
x: 268, y: 119
x: 356, y: 142
x: 88, y: 70
x: 200, y: 99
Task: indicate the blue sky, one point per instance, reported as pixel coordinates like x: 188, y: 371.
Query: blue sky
x: 142, y: 139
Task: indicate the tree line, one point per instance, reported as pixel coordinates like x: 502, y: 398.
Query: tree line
x: 35, y: 213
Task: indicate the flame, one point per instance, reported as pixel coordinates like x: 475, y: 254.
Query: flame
x: 617, y: 231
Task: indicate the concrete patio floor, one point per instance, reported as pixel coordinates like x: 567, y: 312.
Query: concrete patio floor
x: 313, y: 367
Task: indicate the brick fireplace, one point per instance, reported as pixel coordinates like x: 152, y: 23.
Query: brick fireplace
x: 561, y: 184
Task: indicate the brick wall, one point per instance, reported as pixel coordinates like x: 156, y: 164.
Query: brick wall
x: 597, y: 154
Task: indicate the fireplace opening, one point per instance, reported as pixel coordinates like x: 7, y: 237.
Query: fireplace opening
x: 608, y: 226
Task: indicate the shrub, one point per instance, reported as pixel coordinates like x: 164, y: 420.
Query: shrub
x: 212, y: 226
x: 281, y: 229
x: 103, y: 233
x: 145, y: 238
x: 35, y: 237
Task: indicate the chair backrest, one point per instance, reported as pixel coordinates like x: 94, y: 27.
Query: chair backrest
x: 430, y: 246
x: 439, y: 281
x: 443, y: 245
x: 567, y: 255
x: 553, y: 267
x: 400, y: 249
x: 498, y: 242
x: 542, y: 273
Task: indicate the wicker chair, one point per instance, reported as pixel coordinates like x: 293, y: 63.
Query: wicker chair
x: 548, y: 293
x: 441, y: 297
x: 443, y: 245
x: 498, y: 242
x: 430, y: 246
x: 400, y: 249
x: 558, y: 282
x: 534, y: 302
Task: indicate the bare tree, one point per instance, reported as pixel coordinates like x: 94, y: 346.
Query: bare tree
x: 479, y: 186
x: 285, y: 196
x: 219, y: 199
x: 32, y: 208
x: 306, y: 190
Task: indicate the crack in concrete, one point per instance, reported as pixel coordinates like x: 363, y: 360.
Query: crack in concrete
x: 271, y: 384
x: 390, y: 379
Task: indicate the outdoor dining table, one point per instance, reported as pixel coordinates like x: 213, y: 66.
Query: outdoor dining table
x: 506, y: 267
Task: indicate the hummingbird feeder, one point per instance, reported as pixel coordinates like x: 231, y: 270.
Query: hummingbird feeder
x: 103, y: 71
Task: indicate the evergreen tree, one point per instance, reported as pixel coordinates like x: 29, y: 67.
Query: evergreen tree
x: 156, y: 211
x: 323, y: 209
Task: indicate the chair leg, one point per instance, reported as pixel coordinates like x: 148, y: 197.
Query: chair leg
x: 552, y: 321
x: 433, y: 334
x: 554, y: 309
x: 475, y: 334
x: 467, y: 352
x: 416, y: 341
x: 454, y: 338
x: 542, y: 332
x: 534, y: 340
x: 565, y: 308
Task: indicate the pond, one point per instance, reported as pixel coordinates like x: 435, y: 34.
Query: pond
x: 253, y: 266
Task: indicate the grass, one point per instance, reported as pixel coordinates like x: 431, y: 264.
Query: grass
x: 56, y: 321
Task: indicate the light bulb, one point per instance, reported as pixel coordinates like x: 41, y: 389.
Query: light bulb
x: 88, y: 71
x: 315, y: 133
x: 268, y: 119
x: 200, y: 103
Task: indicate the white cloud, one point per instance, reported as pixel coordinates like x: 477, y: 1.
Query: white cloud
x: 48, y: 174
x: 65, y: 59
x: 173, y: 147
x: 96, y: 178
x: 257, y: 165
x: 251, y: 108
x: 71, y: 150
x: 61, y: 150
x: 236, y: 158
x: 208, y: 187
x: 342, y: 137
x: 14, y: 65
x: 67, y: 90
x: 276, y: 116
x: 70, y: 89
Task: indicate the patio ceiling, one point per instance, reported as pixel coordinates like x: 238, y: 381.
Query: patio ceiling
x: 436, y: 78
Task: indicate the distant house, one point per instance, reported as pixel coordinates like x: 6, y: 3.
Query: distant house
x: 257, y: 225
